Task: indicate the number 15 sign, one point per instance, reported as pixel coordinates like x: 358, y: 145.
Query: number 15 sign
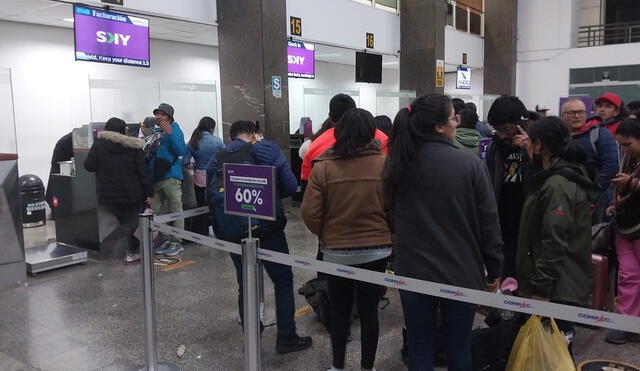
x: 250, y: 190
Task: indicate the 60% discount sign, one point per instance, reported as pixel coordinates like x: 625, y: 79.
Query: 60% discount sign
x: 250, y: 190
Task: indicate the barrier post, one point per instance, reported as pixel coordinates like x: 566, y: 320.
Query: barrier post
x: 251, y: 302
x: 150, y: 340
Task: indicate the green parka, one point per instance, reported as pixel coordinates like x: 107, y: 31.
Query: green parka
x: 554, y: 247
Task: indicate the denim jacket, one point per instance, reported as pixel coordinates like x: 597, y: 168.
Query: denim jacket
x: 209, y: 146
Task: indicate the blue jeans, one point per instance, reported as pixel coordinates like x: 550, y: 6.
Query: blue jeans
x: 233, y: 228
x: 282, y: 278
x: 420, y: 318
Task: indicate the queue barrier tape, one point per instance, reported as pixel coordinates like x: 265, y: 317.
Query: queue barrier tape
x: 585, y: 316
x: 166, y: 218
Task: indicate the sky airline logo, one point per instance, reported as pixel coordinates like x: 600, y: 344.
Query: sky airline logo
x: 105, y: 37
x: 395, y: 281
x: 348, y: 272
x: 519, y: 304
x: 452, y: 293
x: 302, y: 262
x: 265, y: 254
x: 595, y: 318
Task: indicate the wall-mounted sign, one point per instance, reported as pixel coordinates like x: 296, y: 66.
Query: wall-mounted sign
x: 464, y: 78
x: 295, y: 24
x: 439, y: 73
x: 370, y: 41
x: 276, y: 86
x: 301, y: 60
x: 109, y: 37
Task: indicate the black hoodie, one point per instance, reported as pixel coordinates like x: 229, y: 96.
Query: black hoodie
x: 122, y: 177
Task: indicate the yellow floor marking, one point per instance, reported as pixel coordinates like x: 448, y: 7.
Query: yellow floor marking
x: 304, y: 310
x: 178, y: 265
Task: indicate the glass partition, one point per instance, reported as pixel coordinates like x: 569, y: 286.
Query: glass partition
x: 131, y: 100
x: 388, y: 103
x: 316, y: 103
x: 7, y: 124
x: 191, y: 101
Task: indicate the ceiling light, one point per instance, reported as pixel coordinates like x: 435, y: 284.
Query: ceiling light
x: 70, y: 20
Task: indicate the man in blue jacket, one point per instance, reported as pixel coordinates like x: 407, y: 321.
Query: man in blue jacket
x: 244, y: 149
x: 166, y: 172
x: 602, y: 151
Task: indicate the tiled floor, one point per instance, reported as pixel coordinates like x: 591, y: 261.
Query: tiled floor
x: 89, y: 317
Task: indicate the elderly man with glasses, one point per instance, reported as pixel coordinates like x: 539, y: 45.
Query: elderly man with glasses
x: 601, y: 148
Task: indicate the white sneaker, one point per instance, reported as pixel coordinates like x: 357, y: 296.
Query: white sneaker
x: 131, y: 258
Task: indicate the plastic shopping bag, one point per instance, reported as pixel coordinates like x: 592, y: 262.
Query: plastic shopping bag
x: 538, y: 349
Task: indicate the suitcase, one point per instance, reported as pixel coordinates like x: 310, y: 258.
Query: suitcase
x: 602, y: 294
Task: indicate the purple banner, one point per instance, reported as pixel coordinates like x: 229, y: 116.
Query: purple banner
x: 108, y: 37
x: 250, y: 190
x: 301, y: 60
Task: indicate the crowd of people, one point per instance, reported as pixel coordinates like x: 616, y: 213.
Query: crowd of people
x: 414, y: 194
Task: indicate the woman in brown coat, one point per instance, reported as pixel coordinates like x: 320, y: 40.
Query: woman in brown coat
x: 343, y: 205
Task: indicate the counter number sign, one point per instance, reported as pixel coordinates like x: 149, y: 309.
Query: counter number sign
x: 370, y: 40
x: 296, y: 26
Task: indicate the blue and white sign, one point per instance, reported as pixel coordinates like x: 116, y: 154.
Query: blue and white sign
x: 276, y: 86
x: 464, y: 78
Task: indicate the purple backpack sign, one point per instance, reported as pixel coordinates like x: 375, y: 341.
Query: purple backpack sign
x: 250, y: 190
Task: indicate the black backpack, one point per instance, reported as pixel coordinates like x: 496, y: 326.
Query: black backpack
x: 315, y: 291
x: 241, y: 156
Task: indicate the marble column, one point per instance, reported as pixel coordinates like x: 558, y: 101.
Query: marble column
x: 252, y: 49
x: 422, y: 24
x: 500, y: 46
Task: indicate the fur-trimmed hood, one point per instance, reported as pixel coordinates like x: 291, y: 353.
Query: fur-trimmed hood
x: 125, y: 141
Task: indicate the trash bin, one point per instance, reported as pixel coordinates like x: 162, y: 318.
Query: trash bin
x: 32, y: 201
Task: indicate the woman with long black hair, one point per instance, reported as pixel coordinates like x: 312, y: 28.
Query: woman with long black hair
x: 553, y: 260
x: 446, y: 226
x: 202, y: 146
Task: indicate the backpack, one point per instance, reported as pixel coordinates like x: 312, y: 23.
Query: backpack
x: 151, y: 144
x: 315, y: 291
x: 242, y: 156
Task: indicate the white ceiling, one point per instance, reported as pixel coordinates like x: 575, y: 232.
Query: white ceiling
x: 52, y: 13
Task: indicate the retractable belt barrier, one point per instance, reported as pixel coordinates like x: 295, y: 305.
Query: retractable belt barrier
x: 558, y: 311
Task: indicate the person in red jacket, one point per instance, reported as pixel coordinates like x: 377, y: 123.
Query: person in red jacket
x: 609, y: 112
x: 338, y: 105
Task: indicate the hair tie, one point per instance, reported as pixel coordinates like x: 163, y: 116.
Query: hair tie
x: 409, y: 109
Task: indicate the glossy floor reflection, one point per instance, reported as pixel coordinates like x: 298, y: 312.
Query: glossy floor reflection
x: 89, y: 317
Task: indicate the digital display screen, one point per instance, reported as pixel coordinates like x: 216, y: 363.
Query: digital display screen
x: 108, y: 37
x: 301, y: 60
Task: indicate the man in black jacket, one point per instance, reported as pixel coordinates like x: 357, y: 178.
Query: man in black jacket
x: 509, y: 170
x: 122, y: 178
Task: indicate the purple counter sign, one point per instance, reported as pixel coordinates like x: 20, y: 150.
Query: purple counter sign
x: 484, y: 147
x: 108, y: 37
x: 301, y: 60
x: 249, y: 190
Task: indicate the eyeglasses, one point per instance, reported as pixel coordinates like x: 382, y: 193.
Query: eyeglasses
x: 574, y: 113
x: 506, y: 129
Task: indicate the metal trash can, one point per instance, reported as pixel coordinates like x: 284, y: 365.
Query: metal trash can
x: 32, y: 201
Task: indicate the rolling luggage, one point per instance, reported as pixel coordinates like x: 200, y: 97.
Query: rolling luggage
x: 602, y: 294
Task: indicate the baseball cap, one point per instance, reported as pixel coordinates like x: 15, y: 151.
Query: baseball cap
x: 542, y: 107
x: 609, y: 97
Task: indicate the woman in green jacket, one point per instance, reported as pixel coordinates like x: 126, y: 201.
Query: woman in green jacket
x: 554, y: 246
